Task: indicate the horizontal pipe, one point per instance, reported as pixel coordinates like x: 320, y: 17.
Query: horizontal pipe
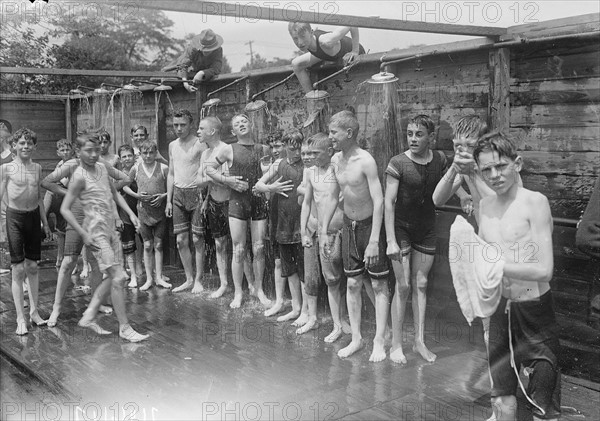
x: 331, y: 76
x: 109, y: 84
x: 264, y: 91
x: 145, y: 81
x: 227, y: 86
x: 386, y: 63
x: 525, y: 41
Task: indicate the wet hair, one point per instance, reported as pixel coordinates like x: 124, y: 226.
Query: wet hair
x: 183, y: 113
x: 497, y: 142
x: 215, y: 123
x: 275, y: 136
x: 125, y: 147
x: 28, y: 134
x: 148, y: 145
x: 63, y: 142
x: 104, y: 135
x: 240, y: 115
x: 86, y: 136
x: 293, y: 137
x: 346, y: 120
x: 320, y: 140
x: 470, y: 126
x: 139, y: 127
x: 425, y: 121
x: 299, y: 27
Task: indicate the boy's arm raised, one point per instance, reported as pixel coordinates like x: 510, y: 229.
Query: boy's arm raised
x: 370, y: 171
x: 213, y: 170
x: 446, y: 187
x: 537, y: 262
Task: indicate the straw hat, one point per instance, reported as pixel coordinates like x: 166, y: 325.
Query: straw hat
x: 208, y: 40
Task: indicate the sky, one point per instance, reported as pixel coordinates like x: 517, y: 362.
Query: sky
x: 270, y: 39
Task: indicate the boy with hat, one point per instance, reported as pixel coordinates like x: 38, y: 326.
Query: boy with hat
x: 203, y: 56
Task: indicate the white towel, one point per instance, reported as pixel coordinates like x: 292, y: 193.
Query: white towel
x: 476, y: 277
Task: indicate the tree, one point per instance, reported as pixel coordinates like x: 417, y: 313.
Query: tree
x: 262, y: 63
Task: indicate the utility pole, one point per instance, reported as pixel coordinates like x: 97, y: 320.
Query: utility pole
x: 249, y: 43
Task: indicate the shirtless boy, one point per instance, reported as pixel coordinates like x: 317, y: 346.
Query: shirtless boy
x: 184, y: 197
x: 243, y: 163
x: 318, y: 46
x: 20, y: 180
x: 517, y: 222
x: 317, y: 180
x: 364, y: 257
x: 216, y: 203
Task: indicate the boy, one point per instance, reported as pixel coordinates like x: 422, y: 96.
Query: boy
x: 5, y: 157
x: 286, y: 176
x: 20, y: 180
x: 105, y: 152
x: 317, y: 178
x: 410, y: 228
x: 90, y: 184
x: 184, y: 197
x: 355, y: 173
x: 127, y: 162
x: 151, y: 180
x: 243, y: 162
x: 318, y: 46
x: 216, y: 204
x: 516, y: 221
x: 52, y: 202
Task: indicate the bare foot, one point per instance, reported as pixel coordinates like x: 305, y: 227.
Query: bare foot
x: 127, y: 332
x: 335, y: 334
x: 132, y: 283
x: 21, y: 327
x: 301, y: 321
x: 350, y: 349
x: 425, y: 353
x: 184, y: 286
x: 198, y: 288
x: 310, y: 325
x: 53, y: 318
x: 378, y: 353
x: 37, y: 320
x: 346, y: 327
x: 91, y: 324
x: 277, y: 307
x: 397, y: 355
x: 146, y: 286
x: 164, y: 284
x: 219, y: 293
x: 237, y: 301
x: 105, y: 309
x: 263, y: 299
x: 289, y: 316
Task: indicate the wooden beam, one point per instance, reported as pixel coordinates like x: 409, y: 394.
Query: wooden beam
x: 499, y: 98
x: 571, y: 25
x: 294, y: 12
x: 79, y: 72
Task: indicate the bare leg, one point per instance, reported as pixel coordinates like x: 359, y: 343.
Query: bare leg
x: 300, y: 65
x: 311, y: 322
x: 334, y: 295
x: 420, y: 266
x: 148, y: 264
x: 222, y: 260
x: 382, y: 300
x: 238, y: 237
x: 505, y: 408
x: 85, y: 269
x: 64, y: 273
x: 60, y: 253
x: 354, y: 298
x: 199, y: 245
x: 279, y: 290
x: 183, y: 245
x: 158, y: 264
x: 301, y: 321
x: 130, y: 258
x: 18, y: 277
x: 402, y: 272
x: 259, y: 232
x: 294, y: 282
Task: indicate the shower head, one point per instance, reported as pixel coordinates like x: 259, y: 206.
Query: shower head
x: 211, y: 102
x: 316, y: 95
x: 259, y: 104
x: 382, y: 77
x: 162, y: 87
x: 131, y: 88
x: 101, y: 90
x: 77, y: 93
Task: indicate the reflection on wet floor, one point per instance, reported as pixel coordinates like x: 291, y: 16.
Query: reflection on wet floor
x: 206, y: 361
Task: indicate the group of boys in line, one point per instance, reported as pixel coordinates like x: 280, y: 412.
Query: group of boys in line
x: 324, y: 204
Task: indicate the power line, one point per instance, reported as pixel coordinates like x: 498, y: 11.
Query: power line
x: 249, y: 43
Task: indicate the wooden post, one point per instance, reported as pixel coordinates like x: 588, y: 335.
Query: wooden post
x: 499, y: 90
x: 71, y: 120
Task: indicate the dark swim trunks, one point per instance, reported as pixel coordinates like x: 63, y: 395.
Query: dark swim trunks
x: 24, y: 232
x: 355, y: 239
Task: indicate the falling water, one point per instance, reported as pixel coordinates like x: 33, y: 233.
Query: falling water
x: 209, y: 108
x: 130, y: 100
x: 261, y: 120
x: 317, y: 105
x: 100, y: 104
x: 381, y: 129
